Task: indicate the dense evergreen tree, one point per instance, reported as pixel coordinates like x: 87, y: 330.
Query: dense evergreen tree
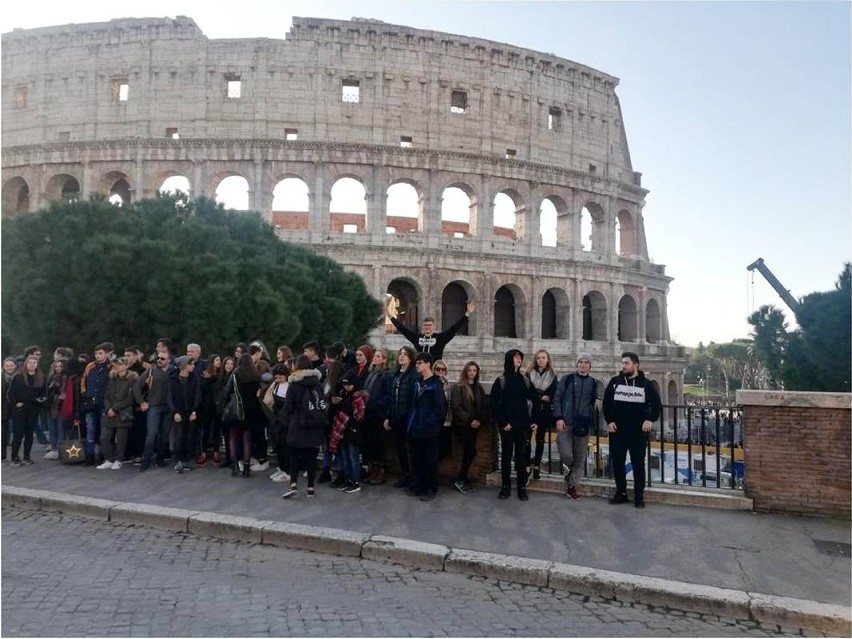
x: 819, y: 354
x: 770, y: 339
x: 85, y: 271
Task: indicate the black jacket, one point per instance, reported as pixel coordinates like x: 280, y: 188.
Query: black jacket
x: 378, y: 387
x: 435, y: 343
x: 402, y: 391
x: 629, y: 402
x: 510, y: 395
x: 299, y: 435
x: 184, y: 394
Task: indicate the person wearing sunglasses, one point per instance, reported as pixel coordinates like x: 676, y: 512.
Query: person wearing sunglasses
x: 151, y: 393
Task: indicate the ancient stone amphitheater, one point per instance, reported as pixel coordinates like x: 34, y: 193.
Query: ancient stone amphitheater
x: 120, y: 107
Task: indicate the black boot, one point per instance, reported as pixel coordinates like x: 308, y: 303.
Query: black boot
x: 523, y: 480
x: 506, y: 490
x: 247, y: 469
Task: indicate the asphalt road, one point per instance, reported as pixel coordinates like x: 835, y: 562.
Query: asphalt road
x: 64, y: 575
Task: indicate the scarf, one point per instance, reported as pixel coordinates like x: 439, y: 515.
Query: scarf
x: 542, y: 381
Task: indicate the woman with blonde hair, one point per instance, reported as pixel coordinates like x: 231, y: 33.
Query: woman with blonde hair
x: 543, y: 380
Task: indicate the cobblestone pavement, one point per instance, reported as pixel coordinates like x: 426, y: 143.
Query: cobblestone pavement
x: 65, y: 575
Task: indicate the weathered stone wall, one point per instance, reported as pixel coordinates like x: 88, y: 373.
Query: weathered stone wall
x: 68, y: 131
x: 797, y: 451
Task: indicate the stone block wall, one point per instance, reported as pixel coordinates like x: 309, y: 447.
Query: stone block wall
x: 797, y: 451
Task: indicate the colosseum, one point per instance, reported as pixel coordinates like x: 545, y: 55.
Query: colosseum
x: 121, y: 107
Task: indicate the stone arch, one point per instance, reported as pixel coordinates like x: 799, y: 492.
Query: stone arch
x: 656, y: 386
x: 595, y: 317
x: 404, y: 295
x: 628, y: 320
x: 653, y: 322
x: 625, y: 234
x: 455, y: 221
x: 174, y: 182
x: 231, y: 189
x: 404, y: 206
x: 347, y: 205
x: 592, y: 220
x: 291, y: 194
x: 553, y: 215
x: 509, y: 311
x: 16, y: 196
x: 454, y: 300
x: 116, y: 185
x: 63, y: 187
x: 672, y: 398
x: 509, y: 209
x: 554, y: 314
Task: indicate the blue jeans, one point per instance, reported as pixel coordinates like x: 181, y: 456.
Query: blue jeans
x: 93, y: 431
x: 56, y: 431
x: 350, y: 457
x: 157, y: 425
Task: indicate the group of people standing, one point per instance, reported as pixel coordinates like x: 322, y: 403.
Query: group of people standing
x: 328, y: 418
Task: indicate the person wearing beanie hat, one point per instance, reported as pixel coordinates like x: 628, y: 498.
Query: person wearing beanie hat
x: 575, y: 410
x: 184, y: 399
x: 348, y: 429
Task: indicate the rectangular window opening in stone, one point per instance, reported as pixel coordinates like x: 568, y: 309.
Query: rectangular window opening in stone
x: 350, y: 228
x: 291, y: 134
x: 458, y: 102
x: 172, y: 133
x: 20, y: 97
x: 458, y: 235
x: 593, y: 168
x: 511, y: 153
x: 390, y: 230
x: 351, y: 91
x: 65, y: 136
x: 234, y: 86
x: 406, y: 141
x: 554, y: 119
x: 119, y: 90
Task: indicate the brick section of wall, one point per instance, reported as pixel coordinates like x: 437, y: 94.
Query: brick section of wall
x: 797, y: 459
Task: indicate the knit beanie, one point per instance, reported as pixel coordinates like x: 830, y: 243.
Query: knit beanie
x: 584, y: 356
x: 368, y: 352
x: 182, y: 362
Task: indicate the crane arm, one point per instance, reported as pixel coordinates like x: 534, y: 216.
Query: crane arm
x: 774, y: 283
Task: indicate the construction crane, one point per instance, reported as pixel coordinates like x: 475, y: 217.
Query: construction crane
x: 774, y: 283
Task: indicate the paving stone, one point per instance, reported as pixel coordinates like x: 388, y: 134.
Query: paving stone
x: 205, y: 586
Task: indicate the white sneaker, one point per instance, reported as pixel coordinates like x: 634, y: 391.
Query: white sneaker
x: 259, y: 468
x: 107, y: 465
x: 116, y: 465
x: 279, y: 476
x: 52, y: 454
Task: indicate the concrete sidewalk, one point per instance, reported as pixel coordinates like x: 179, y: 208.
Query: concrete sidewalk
x: 769, y: 554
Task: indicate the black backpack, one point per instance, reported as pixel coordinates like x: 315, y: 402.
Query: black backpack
x: 316, y: 409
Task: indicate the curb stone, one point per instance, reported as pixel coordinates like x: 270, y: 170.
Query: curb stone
x: 227, y: 527
x: 316, y: 538
x: 487, y: 564
x: 831, y: 619
x: 406, y: 552
x: 174, y: 519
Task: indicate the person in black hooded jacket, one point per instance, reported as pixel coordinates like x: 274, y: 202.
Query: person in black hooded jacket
x: 511, y: 395
x: 631, y: 404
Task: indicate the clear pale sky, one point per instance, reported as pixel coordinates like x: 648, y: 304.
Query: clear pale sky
x: 738, y: 115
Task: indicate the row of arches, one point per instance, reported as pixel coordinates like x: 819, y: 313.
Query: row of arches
x: 509, y: 313
x: 404, y: 207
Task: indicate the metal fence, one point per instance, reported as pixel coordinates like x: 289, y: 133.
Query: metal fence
x: 688, y: 445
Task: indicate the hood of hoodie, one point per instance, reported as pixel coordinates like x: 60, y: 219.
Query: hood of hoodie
x: 308, y: 376
x: 508, y: 361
